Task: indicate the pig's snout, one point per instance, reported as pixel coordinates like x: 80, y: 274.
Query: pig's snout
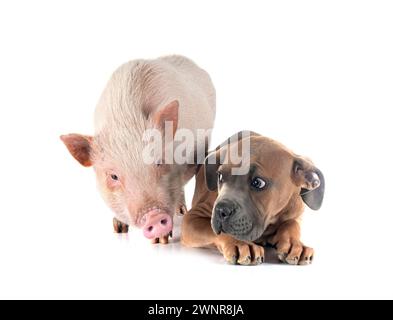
x: 158, y: 224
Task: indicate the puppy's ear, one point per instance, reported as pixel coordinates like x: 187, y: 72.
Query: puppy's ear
x: 311, y: 181
x: 212, y: 162
x: 215, y: 158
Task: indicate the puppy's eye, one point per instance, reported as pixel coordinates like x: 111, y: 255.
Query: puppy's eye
x: 258, y: 183
x: 219, y: 177
x: 114, y: 177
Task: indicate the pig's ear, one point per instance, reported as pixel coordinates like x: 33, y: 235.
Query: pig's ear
x: 80, y: 147
x: 170, y: 113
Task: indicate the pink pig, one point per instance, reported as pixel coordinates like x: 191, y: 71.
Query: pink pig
x: 142, y: 95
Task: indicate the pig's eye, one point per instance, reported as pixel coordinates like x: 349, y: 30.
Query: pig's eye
x: 258, y: 183
x: 112, y: 180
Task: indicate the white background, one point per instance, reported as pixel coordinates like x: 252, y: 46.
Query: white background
x: 317, y: 76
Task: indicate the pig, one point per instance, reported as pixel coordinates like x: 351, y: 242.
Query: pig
x: 144, y: 95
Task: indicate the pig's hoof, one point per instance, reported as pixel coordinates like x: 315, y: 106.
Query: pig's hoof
x: 119, y: 226
x: 162, y: 240
x: 182, y: 210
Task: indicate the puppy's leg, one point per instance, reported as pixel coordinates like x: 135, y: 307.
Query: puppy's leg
x: 197, y: 232
x: 288, y: 245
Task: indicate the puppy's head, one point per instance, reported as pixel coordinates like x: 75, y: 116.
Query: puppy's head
x: 275, y: 180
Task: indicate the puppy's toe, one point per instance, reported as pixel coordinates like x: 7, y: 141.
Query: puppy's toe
x: 295, y: 253
x: 244, y: 261
x: 231, y: 254
x: 257, y: 254
x: 283, y: 248
x: 282, y: 256
x: 244, y: 255
x: 307, y: 256
x: 282, y: 251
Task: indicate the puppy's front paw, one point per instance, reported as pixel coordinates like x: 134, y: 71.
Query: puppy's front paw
x: 240, y: 252
x: 294, y: 252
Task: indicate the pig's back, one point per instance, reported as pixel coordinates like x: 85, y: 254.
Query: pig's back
x: 194, y: 89
x: 194, y: 76
x: 141, y: 87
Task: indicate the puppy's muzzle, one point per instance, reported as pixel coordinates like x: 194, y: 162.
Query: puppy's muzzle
x: 223, y: 211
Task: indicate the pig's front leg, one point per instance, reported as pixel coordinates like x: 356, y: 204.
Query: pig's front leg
x: 119, y: 226
x: 162, y: 240
x: 182, y: 208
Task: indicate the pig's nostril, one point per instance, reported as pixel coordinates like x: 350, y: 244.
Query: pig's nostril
x: 157, y: 225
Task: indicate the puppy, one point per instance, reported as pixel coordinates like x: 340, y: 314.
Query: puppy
x: 240, y: 213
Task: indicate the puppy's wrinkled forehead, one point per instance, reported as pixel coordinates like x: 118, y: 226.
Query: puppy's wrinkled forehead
x: 265, y: 156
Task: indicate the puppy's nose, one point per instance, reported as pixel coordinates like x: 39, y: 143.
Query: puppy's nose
x: 224, y: 210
